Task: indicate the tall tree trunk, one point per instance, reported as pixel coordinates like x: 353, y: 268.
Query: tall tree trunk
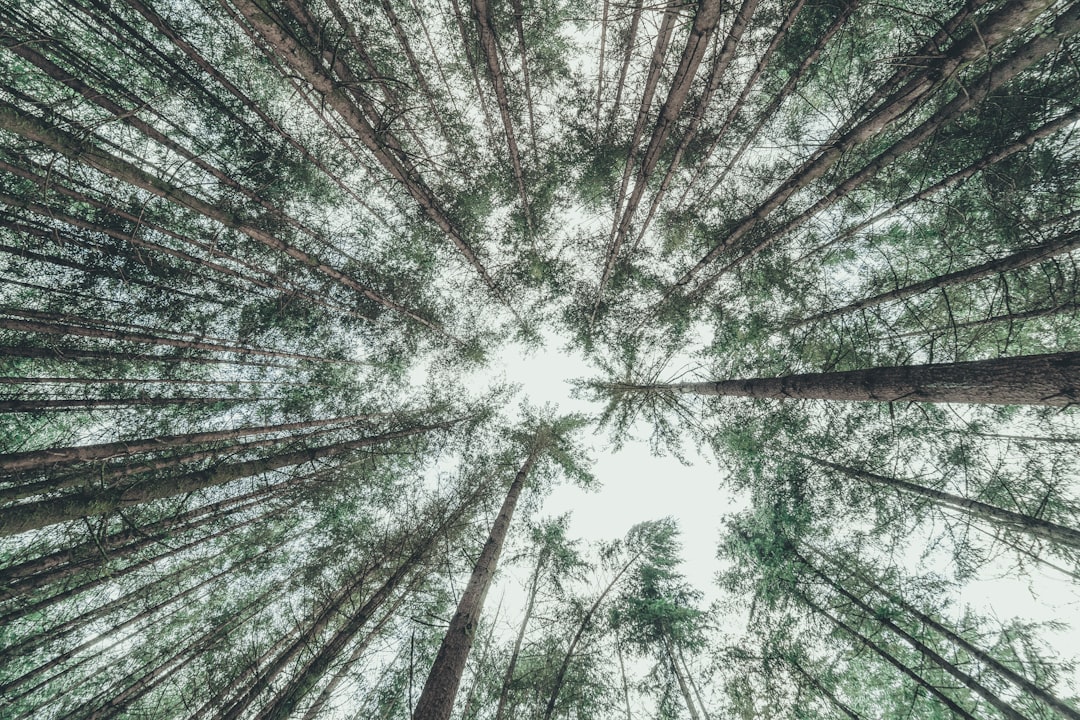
x: 996, y: 28
x: 21, y: 123
x: 1060, y: 245
x: 684, y: 688
x: 888, y: 657
x: 918, y: 645
x: 34, y: 515
x: 998, y: 517
x: 1052, y: 379
x: 508, y: 676
x: 560, y: 674
x: 437, y: 698
x: 39, y: 459
x: 983, y: 657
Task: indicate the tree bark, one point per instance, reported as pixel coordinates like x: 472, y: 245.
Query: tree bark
x: 1052, y: 379
x: 437, y: 698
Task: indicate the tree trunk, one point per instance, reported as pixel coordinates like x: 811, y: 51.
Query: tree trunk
x: 508, y: 676
x: 437, y: 698
x: 560, y: 675
x: 983, y: 657
x: 31, y: 516
x: 998, y: 517
x: 1058, y: 246
x: 885, y: 655
x: 1052, y: 379
x: 825, y: 692
x: 684, y: 688
x: 997, y: 27
x: 920, y: 647
x: 29, y: 127
x: 39, y: 459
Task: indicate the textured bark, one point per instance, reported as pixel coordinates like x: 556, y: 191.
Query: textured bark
x: 437, y: 698
x: 997, y: 517
x: 1058, y: 246
x: 1052, y: 379
x: 31, y: 516
x: 995, y: 29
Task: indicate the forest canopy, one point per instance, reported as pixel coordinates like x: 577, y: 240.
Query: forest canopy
x: 261, y: 262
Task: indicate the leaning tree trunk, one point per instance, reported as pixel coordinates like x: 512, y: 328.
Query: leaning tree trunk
x: 437, y: 699
x: 1052, y: 379
x: 998, y: 517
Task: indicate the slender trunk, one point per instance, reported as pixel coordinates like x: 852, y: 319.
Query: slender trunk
x: 1058, y: 246
x: 70, y: 354
x: 1060, y: 123
x: 1070, y: 306
x: 34, y: 406
x: 774, y: 104
x: 382, y: 145
x: 437, y: 698
x: 622, y: 674
x: 969, y: 97
x: 1052, y: 379
x: 508, y: 676
x: 38, y: 459
x: 885, y: 655
x: 996, y: 28
x: 600, y: 71
x: 62, y: 564
x: 719, y: 67
x: 489, y: 47
x: 25, y: 125
x: 919, y: 646
x: 825, y: 692
x: 684, y: 688
x: 560, y: 675
x: 631, y: 39
x: 354, y: 656
x: 983, y: 657
x: 998, y: 517
x: 693, y: 684
x: 35, y: 515
x: 470, y: 58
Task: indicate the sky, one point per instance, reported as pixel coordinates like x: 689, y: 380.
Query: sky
x: 636, y: 486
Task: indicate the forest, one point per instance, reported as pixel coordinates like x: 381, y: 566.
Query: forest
x: 267, y: 267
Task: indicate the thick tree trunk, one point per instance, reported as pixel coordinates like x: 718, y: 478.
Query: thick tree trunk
x: 1052, y: 379
x: 437, y: 698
